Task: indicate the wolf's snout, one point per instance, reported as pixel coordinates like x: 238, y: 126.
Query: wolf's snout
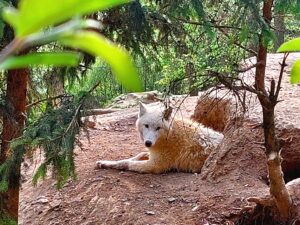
x: 148, y: 143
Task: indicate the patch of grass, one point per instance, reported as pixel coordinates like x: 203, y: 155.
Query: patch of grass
x: 5, y: 220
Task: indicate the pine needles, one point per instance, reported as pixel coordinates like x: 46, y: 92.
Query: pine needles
x: 55, y: 134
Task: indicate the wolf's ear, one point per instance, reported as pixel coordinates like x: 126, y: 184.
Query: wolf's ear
x: 143, y: 109
x: 167, y: 113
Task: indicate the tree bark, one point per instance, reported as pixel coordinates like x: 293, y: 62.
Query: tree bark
x: 279, y: 30
x: 268, y: 101
x: 55, y: 84
x: 277, y: 185
x: 12, y: 127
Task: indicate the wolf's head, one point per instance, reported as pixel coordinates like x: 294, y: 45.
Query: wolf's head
x: 154, y: 120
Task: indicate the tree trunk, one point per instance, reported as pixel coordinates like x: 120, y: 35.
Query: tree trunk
x: 279, y: 30
x: 277, y: 186
x: 55, y: 84
x: 12, y: 128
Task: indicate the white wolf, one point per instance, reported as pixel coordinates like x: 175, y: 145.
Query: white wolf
x: 172, y: 143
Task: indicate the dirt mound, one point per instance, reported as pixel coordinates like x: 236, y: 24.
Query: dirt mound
x: 231, y: 174
x: 212, y: 112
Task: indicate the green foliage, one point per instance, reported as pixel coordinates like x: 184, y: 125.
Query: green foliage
x: 3, y: 4
x: 295, y: 73
x: 55, y: 129
x: 41, y: 58
x: 47, y: 13
x: 290, y: 46
x: 293, y: 46
x: 40, y: 173
x: 32, y: 29
x: 54, y: 132
x: 108, y: 88
x: 117, y: 58
x: 5, y: 220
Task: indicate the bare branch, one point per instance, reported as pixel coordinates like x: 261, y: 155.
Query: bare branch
x: 93, y: 112
x: 12, y: 48
x: 283, y: 65
x: 47, y: 99
x: 272, y: 90
x: 243, y: 70
x: 210, y: 24
x: 228, y: 82
x: 220, y: 28
x: 238, y: 44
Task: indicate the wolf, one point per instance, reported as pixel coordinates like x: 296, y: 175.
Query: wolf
x: 172, y: 143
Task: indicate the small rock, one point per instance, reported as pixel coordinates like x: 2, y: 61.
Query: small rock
x: 151, y: 185
x: 151, y: 213
x: 42, y: 199
x: 195, y: 208
x: 172, y: 199
x: 89, y: 124
x: 94, y: 199
x: 55, y: 203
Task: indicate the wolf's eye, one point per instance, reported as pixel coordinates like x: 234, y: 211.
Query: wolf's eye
x: 158, y: 128
x: 146, y: 125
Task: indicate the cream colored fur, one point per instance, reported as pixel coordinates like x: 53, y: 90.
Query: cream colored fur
x: 176, y: 144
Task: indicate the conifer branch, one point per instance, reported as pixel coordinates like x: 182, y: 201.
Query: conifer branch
x: 47, y: 99
x: 221, y: 28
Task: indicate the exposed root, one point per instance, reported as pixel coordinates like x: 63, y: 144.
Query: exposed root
x: 265, y: 211
x: 264, y: 201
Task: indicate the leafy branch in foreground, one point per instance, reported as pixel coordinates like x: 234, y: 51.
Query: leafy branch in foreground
x: 55, y: 133
x: 51, y: 22
x: 293, y: 46
x: 33, y: 30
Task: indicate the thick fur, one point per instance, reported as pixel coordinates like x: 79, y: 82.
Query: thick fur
x: 172, y: 143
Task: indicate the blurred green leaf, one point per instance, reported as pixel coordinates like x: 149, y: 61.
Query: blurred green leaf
x: 295, y: 73
x: 34, y: 15
x: 290, y: 46
x: 53, y: 59
x: 119, y: 60
x: 10, y: 15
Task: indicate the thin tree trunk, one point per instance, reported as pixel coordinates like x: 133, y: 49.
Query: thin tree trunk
x: 277, y: 186
x: 12, y: 128
x: 55, y: 83
x: 279, y: 30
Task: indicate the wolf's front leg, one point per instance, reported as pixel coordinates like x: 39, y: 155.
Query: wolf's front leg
x: 140, y: 156
x: 119, y: 165
x: 144, y: 166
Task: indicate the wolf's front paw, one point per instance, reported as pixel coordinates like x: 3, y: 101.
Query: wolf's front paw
x: 102, y: 164
x: 119, y: 165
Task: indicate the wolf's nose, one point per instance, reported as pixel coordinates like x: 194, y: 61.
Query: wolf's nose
x: 148, y: 144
